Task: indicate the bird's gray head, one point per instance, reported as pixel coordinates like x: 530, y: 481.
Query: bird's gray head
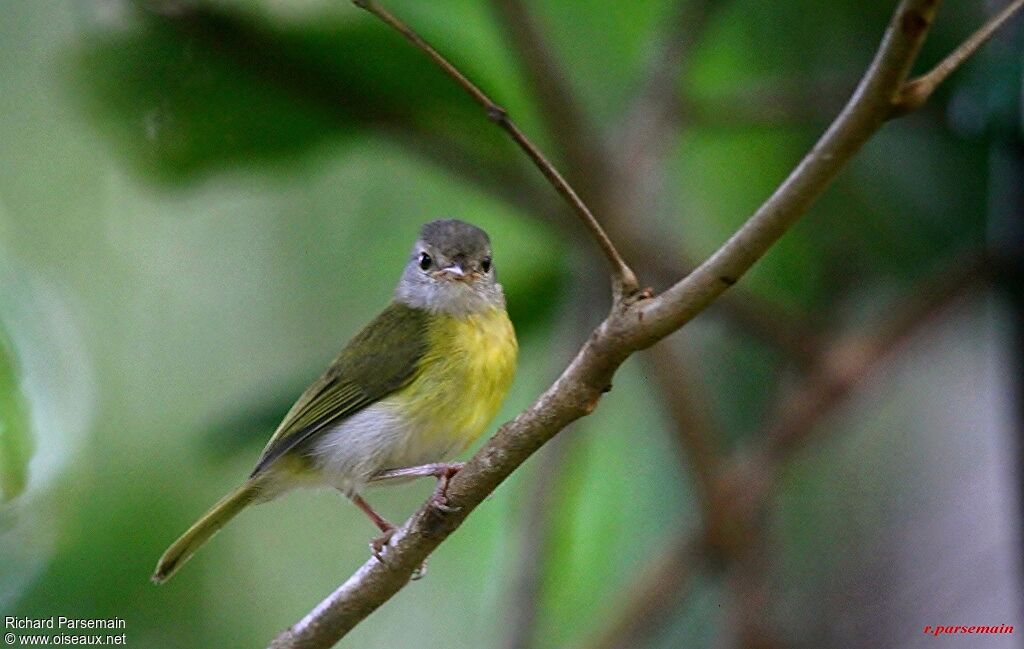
x: 450, y: 270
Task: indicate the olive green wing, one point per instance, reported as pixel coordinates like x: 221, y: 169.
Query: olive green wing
x: 381, y: 359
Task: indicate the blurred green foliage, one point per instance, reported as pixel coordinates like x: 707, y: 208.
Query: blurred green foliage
x: 209, y: 88
x: 221, y: 194
x: 15, y: 429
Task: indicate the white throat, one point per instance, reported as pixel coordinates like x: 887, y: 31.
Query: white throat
x: 450, y: 297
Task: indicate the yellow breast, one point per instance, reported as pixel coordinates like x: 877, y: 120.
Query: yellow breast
x: 462, y: 381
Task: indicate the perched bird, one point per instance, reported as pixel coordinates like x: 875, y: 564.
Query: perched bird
x: 409, y: 392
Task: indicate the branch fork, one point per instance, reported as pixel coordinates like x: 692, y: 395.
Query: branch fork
x: 624, y: 281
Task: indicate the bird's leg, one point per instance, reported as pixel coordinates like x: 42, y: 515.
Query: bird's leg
x: 378, y: 544
x: 436, y: 470
x: 443, y: 471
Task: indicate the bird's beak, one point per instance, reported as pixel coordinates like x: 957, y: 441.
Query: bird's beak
x: 455, y: 272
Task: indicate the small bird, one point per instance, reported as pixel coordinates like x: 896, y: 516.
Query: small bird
x: 408, y: 393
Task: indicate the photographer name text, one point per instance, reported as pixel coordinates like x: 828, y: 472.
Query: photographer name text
x: 62, y: 622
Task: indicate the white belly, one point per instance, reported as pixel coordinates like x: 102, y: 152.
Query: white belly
x: 374, y: 439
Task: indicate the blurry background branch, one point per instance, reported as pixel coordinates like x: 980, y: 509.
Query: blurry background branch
x: 651, y: 116
x: 741, y: 494
x: 624, y: 281
x: 578, y: 139
x: 537, y: 526
x: 274, y: 63
x: 539, y: 516
x: 699, y: 441
x: 852, y: 358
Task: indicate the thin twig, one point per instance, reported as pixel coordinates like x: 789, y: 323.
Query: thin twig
x: 636, y: 325
x: 259, y: 54
x: 624, y: 281
x: 917, y: 91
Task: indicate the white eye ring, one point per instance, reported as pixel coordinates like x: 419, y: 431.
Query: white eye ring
x: 425, y: 261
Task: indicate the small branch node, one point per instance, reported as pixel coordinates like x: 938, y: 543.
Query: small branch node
x: 913, y: 23
x: 497, y: 114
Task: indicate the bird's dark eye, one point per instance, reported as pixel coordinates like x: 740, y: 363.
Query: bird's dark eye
x: 425, y: 261
x: 485, y: 263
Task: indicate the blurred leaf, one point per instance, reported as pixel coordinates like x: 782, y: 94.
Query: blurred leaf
x: 15, y: 434
x: 255, y: 421
x: 534, y: 299
x: 200, y: 88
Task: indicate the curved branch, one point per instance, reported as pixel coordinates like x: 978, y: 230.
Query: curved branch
x: 845, y: 369
x: 870, y: 106
x: 624, y: 281
x: 634, y: 324
x: 259, y: 54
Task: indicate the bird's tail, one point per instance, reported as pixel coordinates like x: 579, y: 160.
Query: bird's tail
x: 203, y: 529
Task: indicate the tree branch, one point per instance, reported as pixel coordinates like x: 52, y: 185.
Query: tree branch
x: 624, y: 281
x: 751, y: 474
x: 869, y: 107
x: 917, y: 91
x: 634, y: 324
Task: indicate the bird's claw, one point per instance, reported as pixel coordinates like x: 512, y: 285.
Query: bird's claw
x: 420, y: 572
x: 440, y: 503
x: 378, y: 544
x: 439, y: 499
